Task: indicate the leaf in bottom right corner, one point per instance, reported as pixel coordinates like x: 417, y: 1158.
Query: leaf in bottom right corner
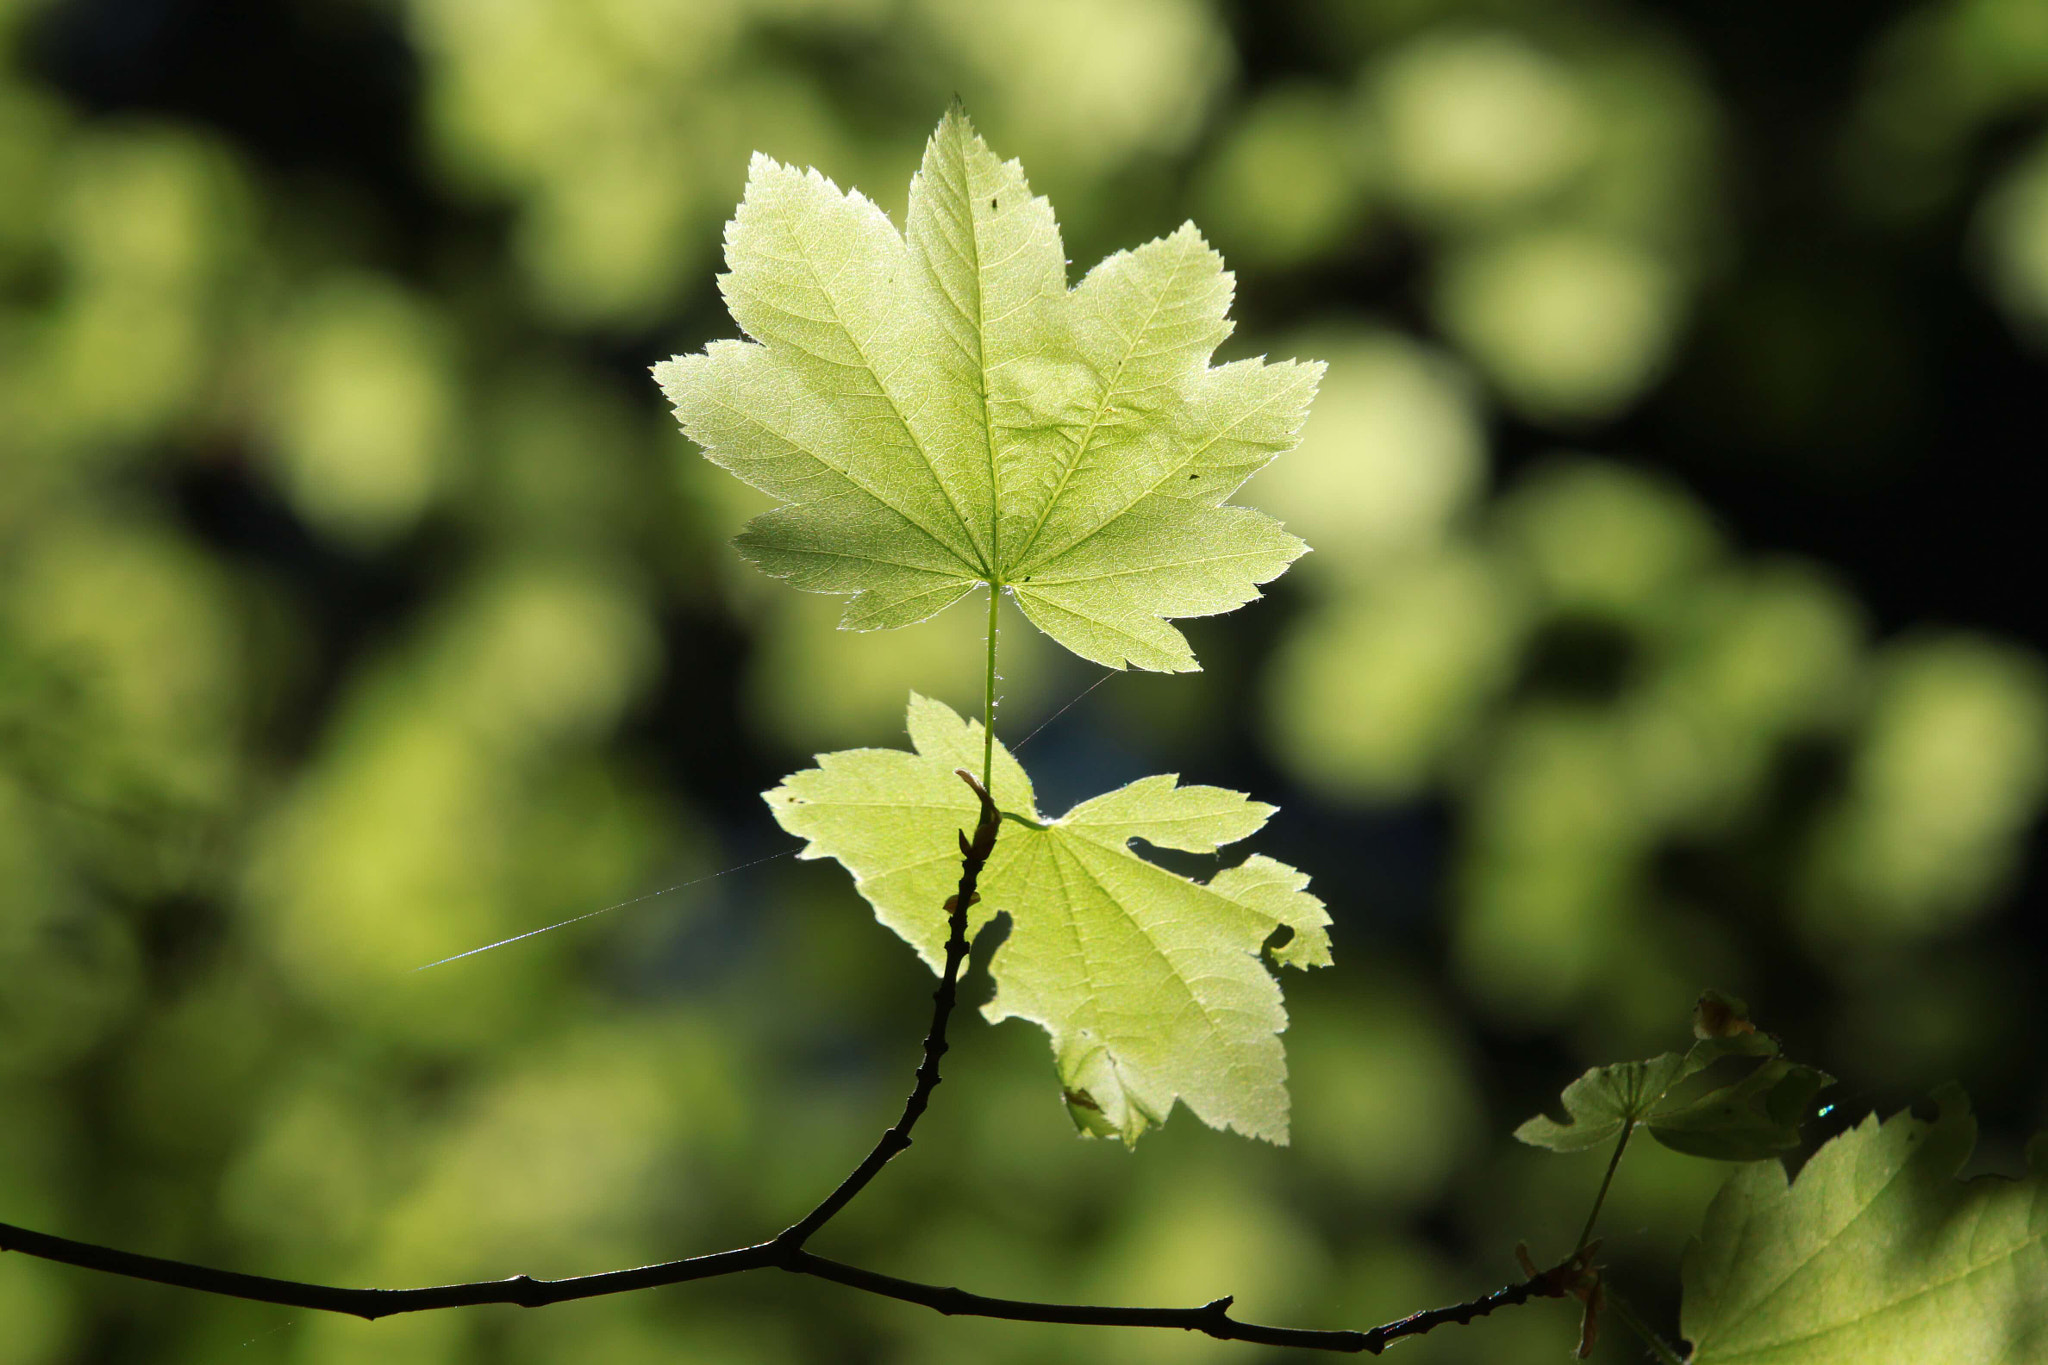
x: 1875, y: 1254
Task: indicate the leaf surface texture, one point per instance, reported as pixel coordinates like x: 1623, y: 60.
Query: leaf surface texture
x: 1150, y: 984
x: 937, y: 409
x: 1876, y: 1254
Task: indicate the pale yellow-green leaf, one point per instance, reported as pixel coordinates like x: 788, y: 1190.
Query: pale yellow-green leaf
x: 1149, y: 983
x: 938, y: 410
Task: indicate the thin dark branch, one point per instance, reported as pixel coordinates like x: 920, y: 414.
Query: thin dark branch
x: 380, y: 1303
x: 1212, y: 1318
x: 973, y: 857
x: 1549, y: 1284
x: 786, y: 1252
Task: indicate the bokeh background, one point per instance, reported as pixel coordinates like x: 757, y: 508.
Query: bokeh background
x: 1675, y: 621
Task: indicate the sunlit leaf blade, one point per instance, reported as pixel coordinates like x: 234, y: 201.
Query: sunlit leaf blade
x: 937, y: 410
x: 1875, y: 1255
x: 1149, y: 983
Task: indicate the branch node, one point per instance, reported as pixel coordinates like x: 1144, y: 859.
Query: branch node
x: 985, y: 830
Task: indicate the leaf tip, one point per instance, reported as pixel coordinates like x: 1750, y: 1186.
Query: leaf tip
x: 1720, y: 1015
x: 956, y: 121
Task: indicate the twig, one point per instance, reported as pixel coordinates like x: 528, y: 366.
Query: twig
x: 1211, y: 1318
x: 973, y: 857
x: 1554, y: 1283
x: 786, y: 1251
x: 379, y: 1303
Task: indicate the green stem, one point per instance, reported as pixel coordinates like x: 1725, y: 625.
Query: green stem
x: 1613, y: 1164
x: 1650, y: 1338
x: 988, y: 732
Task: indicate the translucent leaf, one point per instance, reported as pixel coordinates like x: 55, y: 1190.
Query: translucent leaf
x: 1149, y: 983
x: 1875, y: 1254
x: 938, y: 410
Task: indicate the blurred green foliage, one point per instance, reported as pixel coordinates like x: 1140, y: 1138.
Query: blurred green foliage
x: 241, y: 798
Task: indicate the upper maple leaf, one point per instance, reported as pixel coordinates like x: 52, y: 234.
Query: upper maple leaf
x: 939, y: 411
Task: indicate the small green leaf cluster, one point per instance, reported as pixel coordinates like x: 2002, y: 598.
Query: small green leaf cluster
x: 1683, y: 1101
x: 1876, y: 1253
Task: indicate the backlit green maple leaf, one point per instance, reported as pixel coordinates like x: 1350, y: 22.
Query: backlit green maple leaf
x: 1875, y: 1255
x: 1150, y: 984
x: 939, y: 411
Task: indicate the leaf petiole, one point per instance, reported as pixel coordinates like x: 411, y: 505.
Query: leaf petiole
x: 1619, y: 1307
x: 1607, y: 1180
x: 988, y: 729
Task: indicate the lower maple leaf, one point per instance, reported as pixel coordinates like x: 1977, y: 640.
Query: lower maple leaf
x: 1150, y: 984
